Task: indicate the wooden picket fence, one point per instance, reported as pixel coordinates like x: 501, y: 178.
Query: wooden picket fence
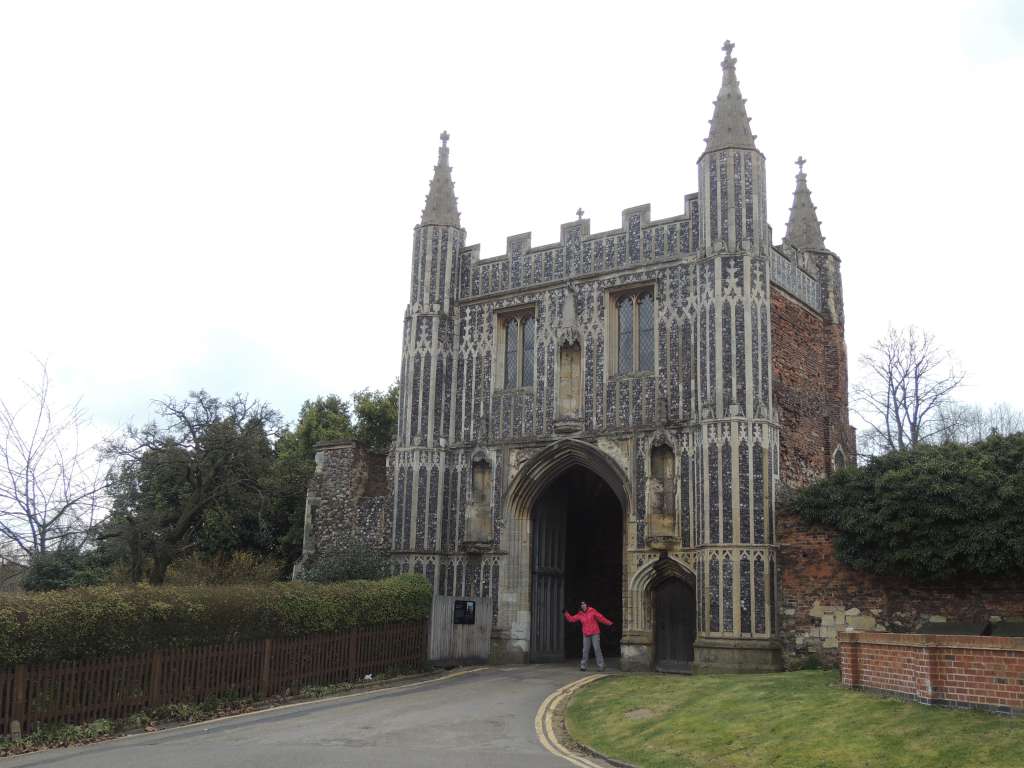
x: 83, y: 691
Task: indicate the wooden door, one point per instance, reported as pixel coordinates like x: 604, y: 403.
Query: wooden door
x: 548, y: 557
x: 675, y: 626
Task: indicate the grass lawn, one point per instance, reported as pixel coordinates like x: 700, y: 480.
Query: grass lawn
x: 795, y: 719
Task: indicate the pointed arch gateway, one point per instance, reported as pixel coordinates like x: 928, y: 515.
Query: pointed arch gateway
x: 567, y: 509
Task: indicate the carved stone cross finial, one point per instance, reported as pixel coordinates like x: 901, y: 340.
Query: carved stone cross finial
x: 444, y: 138
x: 800, y: 163
x: 579, y: 213
x: 727, y: 47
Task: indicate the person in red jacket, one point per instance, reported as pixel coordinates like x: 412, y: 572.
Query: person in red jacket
x: 589, y: 617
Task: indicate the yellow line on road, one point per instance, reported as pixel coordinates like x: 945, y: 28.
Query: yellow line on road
x: 544, y: 723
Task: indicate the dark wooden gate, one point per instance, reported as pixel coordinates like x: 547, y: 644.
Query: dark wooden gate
x: 675, y: 625
x: 547, y: 636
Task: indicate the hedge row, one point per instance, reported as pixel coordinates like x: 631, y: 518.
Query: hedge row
x: 97, y: 622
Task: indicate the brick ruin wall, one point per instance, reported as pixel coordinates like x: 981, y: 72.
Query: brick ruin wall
x: 820, y: 597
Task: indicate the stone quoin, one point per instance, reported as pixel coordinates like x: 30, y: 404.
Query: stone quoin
x: 611, y: 418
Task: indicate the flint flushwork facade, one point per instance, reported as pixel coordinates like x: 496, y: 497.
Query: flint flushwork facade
x: 644, y: 356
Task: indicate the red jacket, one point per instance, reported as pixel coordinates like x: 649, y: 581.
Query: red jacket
x: 589, y: 618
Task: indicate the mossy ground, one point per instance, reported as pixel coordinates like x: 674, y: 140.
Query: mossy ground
x: 792, y: 720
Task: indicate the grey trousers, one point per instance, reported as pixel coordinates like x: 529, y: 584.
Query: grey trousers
x: 593, y: 641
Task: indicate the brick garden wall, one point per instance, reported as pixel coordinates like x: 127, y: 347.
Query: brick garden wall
x: 956, y: 671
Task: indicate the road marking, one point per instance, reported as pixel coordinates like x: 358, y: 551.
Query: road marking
x: 544, y: 723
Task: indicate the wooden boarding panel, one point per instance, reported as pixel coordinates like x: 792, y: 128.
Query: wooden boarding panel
x: 452, y: 643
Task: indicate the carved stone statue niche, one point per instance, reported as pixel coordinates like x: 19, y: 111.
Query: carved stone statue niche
x: 661, y: 498
x: 569, y: 413
x: 569, y: 381
x: 479, y: 531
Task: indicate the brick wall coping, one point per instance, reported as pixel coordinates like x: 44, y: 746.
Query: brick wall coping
x: 979, y: 642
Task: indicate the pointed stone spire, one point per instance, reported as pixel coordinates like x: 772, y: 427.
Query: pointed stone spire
x: 730, y: 126
x: 441, y: 207
x: 803, y: 230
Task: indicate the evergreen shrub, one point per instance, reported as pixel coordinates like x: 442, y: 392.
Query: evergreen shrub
x: 98, y: 622
x: 932, y: 514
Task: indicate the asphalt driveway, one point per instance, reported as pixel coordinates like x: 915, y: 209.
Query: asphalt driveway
x: 480, y: 718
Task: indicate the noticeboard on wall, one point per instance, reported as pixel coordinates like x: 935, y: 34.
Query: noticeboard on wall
x: 465, y: 612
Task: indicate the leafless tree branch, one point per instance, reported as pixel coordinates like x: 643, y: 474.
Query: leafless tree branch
x: 51, y: 489
x: 908, y: 379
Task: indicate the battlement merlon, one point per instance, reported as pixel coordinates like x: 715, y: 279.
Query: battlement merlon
x: 522, y: 243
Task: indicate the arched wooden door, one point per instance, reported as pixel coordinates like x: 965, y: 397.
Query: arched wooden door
x: 547, y: 635
x: 675, y: 625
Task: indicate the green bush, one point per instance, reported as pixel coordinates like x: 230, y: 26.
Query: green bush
x: 61, y: 569
x: 935, y: 513
x: 97, y: 622
x: 335, y: 565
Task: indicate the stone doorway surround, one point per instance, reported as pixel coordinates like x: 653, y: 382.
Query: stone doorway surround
x: 525, y: 489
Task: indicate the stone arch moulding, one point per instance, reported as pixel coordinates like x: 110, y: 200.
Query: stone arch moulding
x: 838, y: 458
x: 641, y: 589
x: 546, y: 466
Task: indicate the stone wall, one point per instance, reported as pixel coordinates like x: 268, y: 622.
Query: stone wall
x: 348, y: 501
x: 956, y: 671
x: 821, y: 597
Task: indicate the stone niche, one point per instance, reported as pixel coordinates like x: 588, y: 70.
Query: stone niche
x: 479, y: 529
x: 661, y: 499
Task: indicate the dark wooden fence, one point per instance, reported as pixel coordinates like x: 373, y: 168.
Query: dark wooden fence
x: 82, y: 691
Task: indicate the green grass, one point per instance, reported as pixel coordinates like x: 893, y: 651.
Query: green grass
x: 792, y: 720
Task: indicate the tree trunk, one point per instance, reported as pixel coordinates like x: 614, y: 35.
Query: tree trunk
x: 161, y: 562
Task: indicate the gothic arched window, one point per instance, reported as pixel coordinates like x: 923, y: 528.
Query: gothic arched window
x: 625, y: 334
x: 511, y: 352
x: 645, y: 335
x: 635, y: 331
x: 519, y: 339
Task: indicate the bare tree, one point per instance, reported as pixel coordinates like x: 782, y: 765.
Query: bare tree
x: 51, y: 488
x: 908, y: 379
x: 962, y: 423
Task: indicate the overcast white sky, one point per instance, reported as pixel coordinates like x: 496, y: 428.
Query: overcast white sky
x: 222, y: 194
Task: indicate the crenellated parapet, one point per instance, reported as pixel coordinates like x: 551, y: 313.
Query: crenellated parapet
x: 794, y: 279
x: 580, y: 254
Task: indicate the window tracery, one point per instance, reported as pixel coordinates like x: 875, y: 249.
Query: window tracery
x: 634, y: 331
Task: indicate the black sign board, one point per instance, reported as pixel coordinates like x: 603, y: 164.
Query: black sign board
x: 465, y: 612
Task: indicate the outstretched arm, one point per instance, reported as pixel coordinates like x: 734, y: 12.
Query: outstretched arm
x: 571, y: 617
x: 602, y: 619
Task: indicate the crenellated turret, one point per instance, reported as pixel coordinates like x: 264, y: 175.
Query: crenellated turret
x: 732, y: 188
x: 803, y: 234
x: 736, y: 433
x: 429, y: 320
x: 428, y: 363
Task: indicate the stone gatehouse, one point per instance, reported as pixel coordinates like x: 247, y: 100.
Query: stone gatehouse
x: 609, y: 417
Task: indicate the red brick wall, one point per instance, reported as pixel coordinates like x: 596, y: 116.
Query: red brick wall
x: 975, y: 672
x: 819, y: 597
x: 809, y: 380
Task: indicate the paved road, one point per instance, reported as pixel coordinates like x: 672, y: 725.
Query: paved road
x: 483, y: 718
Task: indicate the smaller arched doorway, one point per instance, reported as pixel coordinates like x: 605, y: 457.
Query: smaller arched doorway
x: 675, y: 625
